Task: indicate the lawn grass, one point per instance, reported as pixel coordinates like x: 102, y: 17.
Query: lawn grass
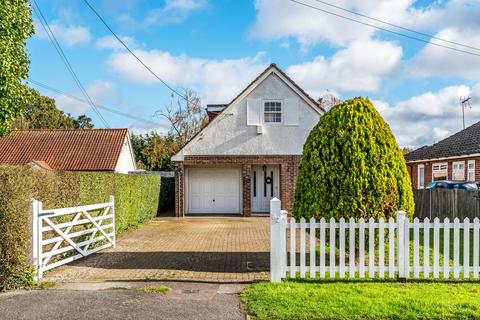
x: 362, y: 300
x: 421, y: 247
x: 154, y: 289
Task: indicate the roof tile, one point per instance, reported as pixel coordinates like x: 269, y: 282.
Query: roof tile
x: 82, y: 150
x: 461, y: 143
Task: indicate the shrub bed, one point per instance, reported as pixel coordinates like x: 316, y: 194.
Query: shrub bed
x: 136, y: 201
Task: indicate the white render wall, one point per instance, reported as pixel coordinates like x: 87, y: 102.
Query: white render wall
x: 126, y: 160
x: 230, y: 135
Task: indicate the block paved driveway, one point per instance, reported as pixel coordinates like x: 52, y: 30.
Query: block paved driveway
x: 212, y: 249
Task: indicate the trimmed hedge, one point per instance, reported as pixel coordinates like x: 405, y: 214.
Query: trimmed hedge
x: 351, y: 166
x: 136, y: 201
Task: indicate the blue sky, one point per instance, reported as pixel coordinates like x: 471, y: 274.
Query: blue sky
x: 217, y: 47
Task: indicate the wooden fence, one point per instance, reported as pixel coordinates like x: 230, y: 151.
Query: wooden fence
x: 444, y: 203
x: 370, y: 249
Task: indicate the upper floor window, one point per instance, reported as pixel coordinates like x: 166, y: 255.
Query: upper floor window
x: 273, y: 111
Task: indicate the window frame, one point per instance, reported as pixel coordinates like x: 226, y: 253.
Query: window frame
x: 458, y: 171
x: 440, y: 170
x: 469, y: 171
x: 273, y: 112
x: 422, y: 184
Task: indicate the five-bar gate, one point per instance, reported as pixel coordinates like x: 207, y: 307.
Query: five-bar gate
x: 67, y: 234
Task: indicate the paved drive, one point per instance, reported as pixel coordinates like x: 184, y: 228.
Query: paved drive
x: 210, y: 249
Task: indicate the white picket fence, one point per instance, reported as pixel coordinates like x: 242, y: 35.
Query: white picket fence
x: 63, y: 235
x: 371, y: 248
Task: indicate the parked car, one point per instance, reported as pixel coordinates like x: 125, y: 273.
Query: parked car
x: 448, y: 184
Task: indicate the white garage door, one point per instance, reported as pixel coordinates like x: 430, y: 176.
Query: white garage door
x: 213, y: 190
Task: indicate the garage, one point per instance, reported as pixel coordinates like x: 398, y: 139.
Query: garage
x: 213, y: 190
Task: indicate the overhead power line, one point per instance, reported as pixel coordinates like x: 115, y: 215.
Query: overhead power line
x: 61, y: 53
x: 48, y: 87
x: 383, y: 29
x: 135, y: 56
x: 397, y: 26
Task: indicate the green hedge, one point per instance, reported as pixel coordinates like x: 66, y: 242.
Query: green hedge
x: 136, y: 201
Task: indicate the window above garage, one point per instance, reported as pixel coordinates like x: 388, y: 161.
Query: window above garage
x: 272, y: 112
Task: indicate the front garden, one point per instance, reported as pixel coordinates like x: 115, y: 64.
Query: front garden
x: 331, y: 299
x: 352, y: 167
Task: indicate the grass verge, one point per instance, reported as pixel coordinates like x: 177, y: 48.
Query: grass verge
x: 153, y: 289
x: 362, y: 300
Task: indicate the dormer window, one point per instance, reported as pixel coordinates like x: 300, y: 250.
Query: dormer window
x: 272, y: 112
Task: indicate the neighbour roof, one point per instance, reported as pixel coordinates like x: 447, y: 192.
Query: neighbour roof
x: 41, y: 164
x: 83, y: 150
x: 461, y: 143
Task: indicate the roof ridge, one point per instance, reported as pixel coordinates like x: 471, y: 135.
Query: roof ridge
x: 79, y: 129
x: 274, y: 65
x: 463, y: 142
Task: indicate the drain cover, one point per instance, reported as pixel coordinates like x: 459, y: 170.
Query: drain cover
x: 190, y: 291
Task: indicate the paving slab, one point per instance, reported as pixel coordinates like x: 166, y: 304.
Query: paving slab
x: 208, y: 249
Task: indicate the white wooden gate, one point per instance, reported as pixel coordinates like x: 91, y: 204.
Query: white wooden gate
x: 66, y: 234
x: 372, y: 249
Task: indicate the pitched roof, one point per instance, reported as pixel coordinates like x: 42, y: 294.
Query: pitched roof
x: 41, y: 164
x: 461, y: 143
x: 269, y: 68
x: 274, y: 66
x: 76, y: 150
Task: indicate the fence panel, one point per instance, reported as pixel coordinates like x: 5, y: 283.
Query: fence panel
x: 358, y: 248
x: 443, y: 203
x: 63, y: 235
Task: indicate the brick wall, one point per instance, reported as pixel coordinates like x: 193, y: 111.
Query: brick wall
x: 288, y: 168
x: 428, y: 169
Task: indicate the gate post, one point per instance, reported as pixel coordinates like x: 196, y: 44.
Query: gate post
x: 34, y: 211
x: 112, y: 200
x: 37, y: 238
x: 276, y: 241
x: 401, y: 245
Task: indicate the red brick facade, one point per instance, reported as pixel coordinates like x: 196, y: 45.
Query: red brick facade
x: 413, y: 169
x: 288, y: 169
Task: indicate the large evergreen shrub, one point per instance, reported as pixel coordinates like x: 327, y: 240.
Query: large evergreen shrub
x: 352, y: 167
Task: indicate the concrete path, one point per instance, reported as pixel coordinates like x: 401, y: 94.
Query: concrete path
x: 124, y: 301
x: 209, y: 249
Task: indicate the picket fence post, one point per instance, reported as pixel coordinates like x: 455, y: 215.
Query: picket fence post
x: 402, y: 273
x: 276, y: 230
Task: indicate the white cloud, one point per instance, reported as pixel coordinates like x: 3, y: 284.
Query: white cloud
x: 435, y: 61
x: 99, y: 91
x: 217, y: 81
x: 359, y: 67
x: 173, y: 12
x: 280, y: 19
x: 70, y: 35
x: 431, y: 116
x: 110, y: 42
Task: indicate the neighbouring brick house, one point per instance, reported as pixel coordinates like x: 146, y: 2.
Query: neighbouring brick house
x: 454, y: 158
x: 250, y: 150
